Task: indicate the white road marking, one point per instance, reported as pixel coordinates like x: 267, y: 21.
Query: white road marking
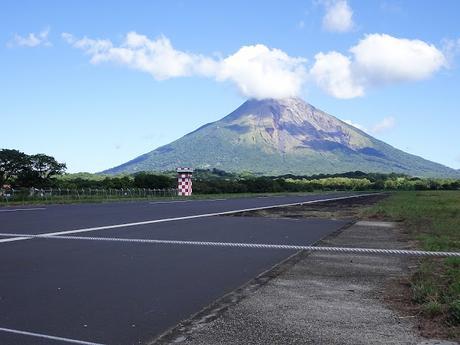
x: 181, y: 201
x: 24, y: 209
x: 13, y: 239
x: 167, y: 202
x: 49, y: 337
x: 164, y: 220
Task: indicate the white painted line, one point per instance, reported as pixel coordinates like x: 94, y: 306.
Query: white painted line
x: 24, y: 209
x: 49, y: 337
x: 167, y: 202
x: 13, y: 239
x: 164, y: 220
x: 182, y: 201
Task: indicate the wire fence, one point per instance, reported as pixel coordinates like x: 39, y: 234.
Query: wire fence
x: 13, y: 195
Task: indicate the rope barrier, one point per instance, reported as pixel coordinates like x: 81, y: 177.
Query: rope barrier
x: 341, y: 250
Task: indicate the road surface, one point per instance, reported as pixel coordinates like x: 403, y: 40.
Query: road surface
x: 128, y: 293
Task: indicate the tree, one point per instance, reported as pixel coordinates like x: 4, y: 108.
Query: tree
x: 146, y: 180
x: 46, y: 166
x: 12, y: 163
x: 24, y: 170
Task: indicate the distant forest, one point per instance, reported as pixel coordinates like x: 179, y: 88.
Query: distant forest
x: 18, y: 170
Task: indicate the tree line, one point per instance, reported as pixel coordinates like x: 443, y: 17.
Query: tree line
x: 216, y: 182
x: 21, y: 170
x: 138, y: 180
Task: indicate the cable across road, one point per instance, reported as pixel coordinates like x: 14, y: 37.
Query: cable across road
x: 339, y: 250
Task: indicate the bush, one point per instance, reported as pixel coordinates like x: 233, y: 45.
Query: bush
x: 146, y: 180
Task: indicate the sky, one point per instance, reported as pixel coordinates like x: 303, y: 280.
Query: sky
x: 97, y: 83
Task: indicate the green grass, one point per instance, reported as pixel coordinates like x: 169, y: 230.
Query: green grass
x: 56, y: 199
x: 432, y: 218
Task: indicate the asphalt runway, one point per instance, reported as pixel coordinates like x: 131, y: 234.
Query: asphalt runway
x: 51, y: 218
x: 128, y: 293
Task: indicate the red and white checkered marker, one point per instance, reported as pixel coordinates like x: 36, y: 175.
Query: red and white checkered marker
x: 184, y: 181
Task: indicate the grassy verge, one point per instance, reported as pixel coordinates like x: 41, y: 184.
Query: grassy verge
x: 100, y: 199
x: 432, y: 219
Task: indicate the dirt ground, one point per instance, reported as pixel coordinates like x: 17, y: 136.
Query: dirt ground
x: 398, y: 295
x: 351, y: 209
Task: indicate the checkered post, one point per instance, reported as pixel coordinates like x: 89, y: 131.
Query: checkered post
x: 184, y: 181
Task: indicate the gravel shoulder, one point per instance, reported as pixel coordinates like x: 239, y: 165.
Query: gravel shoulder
x: 316, y: 298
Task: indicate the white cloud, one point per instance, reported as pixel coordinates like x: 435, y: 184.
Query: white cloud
x: 357, y: 125
x: 69, y: 38
x: 391, y: 7
x: 31, y: 40
x: 451, y: 49
x: 384, y: 125
x: 382, y: 58
x: 378, y: 59
x: 156, y: 57
x: 257, y: 71
x: 333, y: 73
x: 261, y: 72
x: 338, y: 17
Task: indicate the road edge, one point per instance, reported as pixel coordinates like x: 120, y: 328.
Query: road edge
x: 216, y: 308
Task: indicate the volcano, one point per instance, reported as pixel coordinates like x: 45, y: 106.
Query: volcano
x: 283, y: 136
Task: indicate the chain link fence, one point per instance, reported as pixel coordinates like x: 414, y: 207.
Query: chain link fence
x: 13, y: 195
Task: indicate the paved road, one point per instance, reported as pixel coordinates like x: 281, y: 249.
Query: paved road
x: 50, y: 218
x: 127, y: 293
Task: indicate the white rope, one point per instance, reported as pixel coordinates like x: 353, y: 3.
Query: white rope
x: 369, y: 251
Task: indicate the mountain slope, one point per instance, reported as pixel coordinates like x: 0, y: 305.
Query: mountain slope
x: 279, y: 137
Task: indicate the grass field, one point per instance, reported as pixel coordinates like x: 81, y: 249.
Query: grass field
x: 432, y: 218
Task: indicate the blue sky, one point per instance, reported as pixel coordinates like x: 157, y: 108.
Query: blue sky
x: 96, y: 83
